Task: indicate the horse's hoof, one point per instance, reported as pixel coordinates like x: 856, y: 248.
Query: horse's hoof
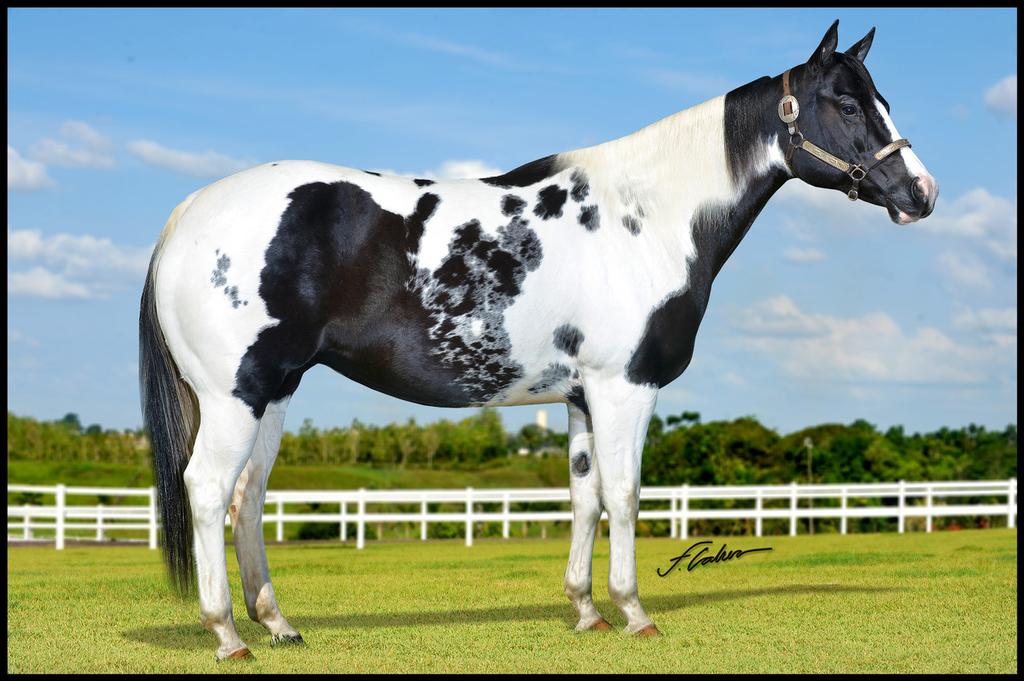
x: 600, y: 625
x: 240, y: 654
x: 287, y: 640
x: 649, y: 630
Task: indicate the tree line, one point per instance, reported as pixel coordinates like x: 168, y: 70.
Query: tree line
x: 680, y: 449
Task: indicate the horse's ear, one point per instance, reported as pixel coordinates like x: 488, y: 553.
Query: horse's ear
x: 823, y: 53
x: 859, y: 50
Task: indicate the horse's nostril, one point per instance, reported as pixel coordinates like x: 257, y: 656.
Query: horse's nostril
x: 917, y: 190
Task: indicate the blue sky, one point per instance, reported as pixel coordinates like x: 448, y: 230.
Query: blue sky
x: 826, y: 312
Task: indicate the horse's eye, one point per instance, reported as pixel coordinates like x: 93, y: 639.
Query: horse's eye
x: 849, y: 109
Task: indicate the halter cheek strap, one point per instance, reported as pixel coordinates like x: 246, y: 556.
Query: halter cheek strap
x: 789, y: 111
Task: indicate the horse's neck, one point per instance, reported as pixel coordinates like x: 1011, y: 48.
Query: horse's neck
x: 705, y: 158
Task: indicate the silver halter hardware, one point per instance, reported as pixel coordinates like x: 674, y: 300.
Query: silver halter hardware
x: 789, y: 111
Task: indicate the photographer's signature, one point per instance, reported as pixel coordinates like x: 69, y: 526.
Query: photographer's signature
x: 701, y: 556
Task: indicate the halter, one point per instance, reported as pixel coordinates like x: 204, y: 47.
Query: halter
x: 789, y: 109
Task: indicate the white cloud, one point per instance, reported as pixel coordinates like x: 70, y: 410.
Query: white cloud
x: 987, y: 319
x: 734, y: 379
x: 24, y: 174
x: 871, y: 348
x: 17, y: 337
x: 458, y: 49
x: 997, y: 325
x: 42, y: 283
x: 779, y: 316
x: 71, y: 266
x: 91, y: 150
x: 803, y: 255
x: 962, y: 268
x: 84, y: 135
x: 687, y: 81
x: 977, y: 214
x: 451, y: 170
x: 206, y: 164
x: 1002, y: 97
x: 77, y: 254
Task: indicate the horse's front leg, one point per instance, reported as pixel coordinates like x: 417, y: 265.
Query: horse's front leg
x: 620, y: 412
x: 584, y: 488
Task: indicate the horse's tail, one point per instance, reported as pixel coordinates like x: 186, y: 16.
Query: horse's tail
x: 170, y: 413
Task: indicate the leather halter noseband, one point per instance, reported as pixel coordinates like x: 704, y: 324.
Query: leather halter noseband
x: 789, y: 109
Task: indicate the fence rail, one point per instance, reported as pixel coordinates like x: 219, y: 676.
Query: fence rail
x: 678, y: 507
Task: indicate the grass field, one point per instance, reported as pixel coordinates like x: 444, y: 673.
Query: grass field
x: 942, y: 602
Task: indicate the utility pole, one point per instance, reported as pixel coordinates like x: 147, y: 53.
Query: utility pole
x: 809, y: 444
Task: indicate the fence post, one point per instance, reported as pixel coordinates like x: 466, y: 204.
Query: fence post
x: 684, y: 509
x: 152, y: 517
x: 672, y: 516
x: 424, y: 508
x: 26, y: 532
x: 469, y: 516
x: 792, y: 509
x: 60, y: 517
x: 360, y: 522
x: 842, y: 521
x: 99, y: 522
x: 928, y: 501
x: 280, y: 520
x: 1011, y: 501
x: 504, y: 520
x: 344, y: 521
x: 759, y: 505
x: 900, y: 522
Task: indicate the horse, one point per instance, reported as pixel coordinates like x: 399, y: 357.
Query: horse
x: 578, y: 278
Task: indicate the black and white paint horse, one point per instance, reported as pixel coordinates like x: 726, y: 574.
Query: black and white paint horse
x: 578, y: 278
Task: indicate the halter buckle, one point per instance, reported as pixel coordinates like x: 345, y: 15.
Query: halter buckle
x: 789, y: 109
x: 852, y: 172
x: 852, y: 194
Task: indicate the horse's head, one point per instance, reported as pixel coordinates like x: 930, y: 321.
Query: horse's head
x: 841, y: 135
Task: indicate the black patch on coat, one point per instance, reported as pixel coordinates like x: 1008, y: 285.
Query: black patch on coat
x: 580, y: 464
x: 550, y: 378
x: 578, y: 398
x: 568, y: 339
x: 550, y: 201
x: 423, y: 183
x: 589, y: 218
x: 370, y: 172
x: 512, y: 205
x: 666, y: 347
x: 526, y: 174
x: 346, y: 293
x: 631, y: 224
x: 415, y: 223
x: 750, y: 112
x: 476, y: 281
x: 218, y: 277
x: 580, y: 186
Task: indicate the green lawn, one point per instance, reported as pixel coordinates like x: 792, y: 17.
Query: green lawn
x: 942, y: 602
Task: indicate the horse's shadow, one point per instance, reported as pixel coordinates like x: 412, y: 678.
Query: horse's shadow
x: 184, y: 636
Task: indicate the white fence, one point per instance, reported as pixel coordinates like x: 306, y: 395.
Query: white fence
x: 679, y: 505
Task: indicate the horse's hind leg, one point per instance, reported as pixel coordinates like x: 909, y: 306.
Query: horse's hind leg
x: 247, y: 518
x: 585, y: 490
x: 223, y: 444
